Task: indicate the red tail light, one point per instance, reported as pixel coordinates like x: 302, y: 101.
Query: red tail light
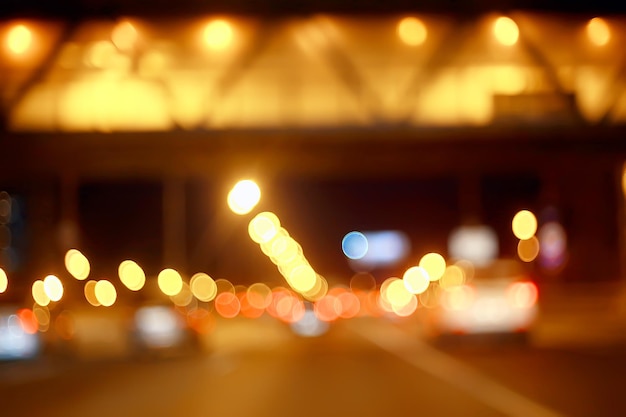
x: 522, y: 294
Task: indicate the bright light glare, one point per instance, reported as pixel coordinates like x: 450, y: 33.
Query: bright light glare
x: 4, y: 281
x: 506, y: 31
x: 203, y: 287
x: 105, y: 293
x: 131, y: 275
x: 434, y: 264
x: 354, y: 245
x: 412, y: 31
x: 598, y: 31
x: 416, y: 280
x: 53, y: 287
x: 170, y: 282
x: 77, y: 264
x: 264, y: 227
x: 524, y: 225
x: 218, y: 34
x: 19, y: 39
x: 244, y: 196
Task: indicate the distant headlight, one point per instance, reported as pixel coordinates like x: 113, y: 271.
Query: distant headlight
x: 159, y: 326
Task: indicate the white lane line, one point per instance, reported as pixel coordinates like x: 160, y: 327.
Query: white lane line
x: 430, y: 360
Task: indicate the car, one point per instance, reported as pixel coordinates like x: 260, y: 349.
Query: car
x: 160, y: 330
x: 500, y: 299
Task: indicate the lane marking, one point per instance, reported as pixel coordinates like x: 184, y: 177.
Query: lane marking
x: 452, y: 371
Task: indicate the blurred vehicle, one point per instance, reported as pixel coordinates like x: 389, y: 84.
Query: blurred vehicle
x: 159, y: 329
x: 500, y: 299
x: 19, y: 338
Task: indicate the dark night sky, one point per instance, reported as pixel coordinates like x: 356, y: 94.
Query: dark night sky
x: 104, y: 8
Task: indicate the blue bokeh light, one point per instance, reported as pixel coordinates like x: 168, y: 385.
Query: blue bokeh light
x: 354, y: 245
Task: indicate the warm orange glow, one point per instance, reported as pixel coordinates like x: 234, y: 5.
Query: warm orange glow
x: 247, y: 309
x: 124, y: 36
x: 362, y: 281
x: 506, y: 31
x: 407, y: 309
x: 19, y: 39
x: 259, y: 295
x: 412, y: 31
x: 598, y: 31
x: 528, y: 249
x: 42, y: 314
x: 218, y: 34
x: 184, y: 296
x: 90, y: 293
x: 28, y: 320
x: 328, y: 308
x: 227, y: 305
x: 350, y: 305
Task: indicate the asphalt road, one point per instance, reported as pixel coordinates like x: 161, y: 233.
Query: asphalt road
x: 363, y: 367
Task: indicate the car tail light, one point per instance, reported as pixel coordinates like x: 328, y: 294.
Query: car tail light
x: 522, y: 294
x: 458, y: 298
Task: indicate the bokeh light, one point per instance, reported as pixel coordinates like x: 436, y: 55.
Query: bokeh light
x: 227, y: 305
x: 124, y: 36
x: 203, y: 287
x: 506, y: 31
x: 524, y: 224
x: 434, y: 264
x: 218, y: 34
x: 244, y: 196
x: 53, y: 287
x: 19, y: 39
x: 598, y: 31
x: 105, y: 292
x: 263, y: 227
x: 528, y: 249
x: 354, y: 245
x: 170, y: 282
x: 90, y: 293
x: 39, y: 293
x: 77, y: 264
x: 259, y: 295
x: 362, y: 281
x: 4, y: 281
x: 416, y: 279
x: 131, y: 275
x: 42, y: 315
x: 184, y: 297
x: 28, y: 320
x: 453, y: 277
x: 412, y: 31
